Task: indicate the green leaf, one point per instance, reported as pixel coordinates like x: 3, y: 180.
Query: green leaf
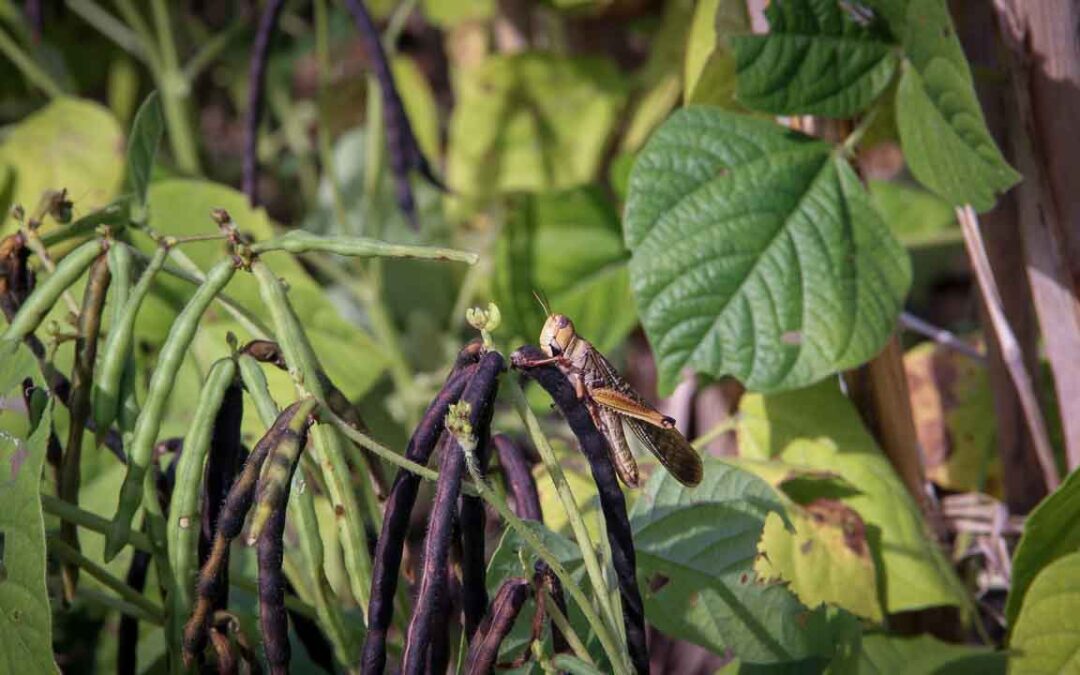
x: 25, y: 617
x: 16, y: 364
x: 1052, y: 530
x: 827, y: 560
x: 568, y: 246
x: 70, y: 143
x: 925, y: 654
x: 146, y: 133
x: 1046, y: 636
x: 913, y: 213
x: 696, y: 549
x: 757, y: 254
x: 818, y: 430
x: 942, y: 130
x: 531, y: 122
x: 573, y: 664
x: 709, y: 66
x: 452, y: 12
x: 419, y: 102
x: 815, y: 60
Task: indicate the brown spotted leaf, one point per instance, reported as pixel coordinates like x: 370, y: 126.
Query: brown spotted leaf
x: 826, y: 560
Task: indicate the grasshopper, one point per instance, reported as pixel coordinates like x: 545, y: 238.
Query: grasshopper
x: 619, y: 412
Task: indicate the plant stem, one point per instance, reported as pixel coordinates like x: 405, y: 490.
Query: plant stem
x: 70, y: 554
x: 563, y: 624
x: 718, y: 430
x: 109, y: 26
x: 326, y: 154
x: 174, y: 89
x: 33, y: 73
x: 91, y: 521
x: 121, y: 606
x: 566, y: 496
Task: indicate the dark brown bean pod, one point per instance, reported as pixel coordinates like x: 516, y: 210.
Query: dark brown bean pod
x: 484, y: 650
x: 223, y: 462
x: 474, y: 597
x: 227, y: 663
x: 438, y: 657
x: 318, y: 648
x: 273, y: 620
x: 256, y: 93
x: 480, y: 395
x: 612, y: 502
x: 518, y: 478
x: 267, y: 351
x: 523, y: 495
x: 230, y: 522
x: 82, y: 376
x: 386, y: 562
x: 405, y: 153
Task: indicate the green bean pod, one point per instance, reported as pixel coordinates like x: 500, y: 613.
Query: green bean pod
x: 121, y: 264
x: 183, y: 528
x: 301, y: 241
x: 41, y: 301
x: 115, y: 359
x: 161, y: 384
x: 329, y: 451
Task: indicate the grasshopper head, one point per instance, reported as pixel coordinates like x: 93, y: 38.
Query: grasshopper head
x: 557, y: 335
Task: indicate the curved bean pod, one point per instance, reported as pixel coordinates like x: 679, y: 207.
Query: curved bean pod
x: 121, y: 262
x: 41, y: 301
x: 231, y: 521
x: 161, y: 384
x: 273, y: 489
x: 115, y: 358
x: 82, y: 376
x: 184, y: 508
x: 484, y: 649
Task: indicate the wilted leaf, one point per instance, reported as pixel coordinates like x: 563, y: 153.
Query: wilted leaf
x: 70, y: 143
x: 925, y: 654
x: 531, y: 122
x: 951, y: 401
x: 1046, y: 635
x: 757, y: 254
x: 568, y: 247
x: 818, y: 429
x: 817, y: 59
x: 827, y: 560
x: 944, y: 136
x: 25, y: 617
x: 1052, y: 530
x: 696, y: 549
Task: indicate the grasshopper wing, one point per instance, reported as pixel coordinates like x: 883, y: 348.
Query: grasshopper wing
x: 670, y: 447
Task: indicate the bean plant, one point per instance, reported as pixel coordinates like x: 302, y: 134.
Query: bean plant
x: 374, y: 410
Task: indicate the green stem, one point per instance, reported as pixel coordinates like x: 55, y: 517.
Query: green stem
x: 33, y: 73
x: 55, y: 506
x: 116, y: 604
x: 563, y: 624
x: 109, y: 26
x: 566, y: 496
x: 718, y: 430
x: 70, y: 554
x: 326, y: 154
x: 174, y: 89
x: 142, y: 30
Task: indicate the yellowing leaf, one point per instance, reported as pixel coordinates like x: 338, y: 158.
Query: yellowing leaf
x: 951, y: 401
x: 826, y: 560
x: 818, y: 429
x: 70, y: 143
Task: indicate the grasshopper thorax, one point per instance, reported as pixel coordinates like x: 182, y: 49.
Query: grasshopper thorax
x: 558, y: 335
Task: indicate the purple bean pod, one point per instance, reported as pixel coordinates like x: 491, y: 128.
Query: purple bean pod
x: 386, y: 562
x: 484, y: 649
x: 473, y: 519
x: 256, y: 92
x: 223, y: 463
x: 480, y: 395
x: 612, y: 503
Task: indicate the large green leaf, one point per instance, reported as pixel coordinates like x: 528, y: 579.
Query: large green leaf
x: 815, y: 60
x: 817, y: 429
x: 25, y: 617
x: 70, y: 143
x: 696, y: 550
x: 146, y: 133
x: 567, y: 246
x: 881, y: 654
x: 944, y: 136
x: 1046, y: 636
x: 1052, y: 531
x: 757, y: 254
x: 531, y: 122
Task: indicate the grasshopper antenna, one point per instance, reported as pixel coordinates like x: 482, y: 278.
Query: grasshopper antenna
x: 542, y: 299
